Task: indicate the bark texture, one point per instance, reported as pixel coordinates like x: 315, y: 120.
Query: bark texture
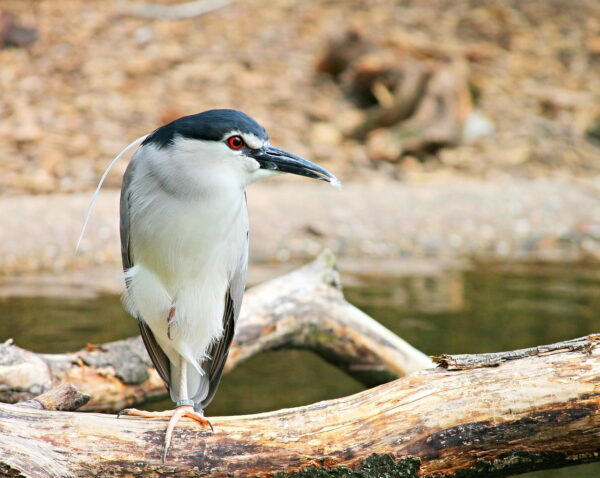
x: 532, y: 411
x: 303, y: 309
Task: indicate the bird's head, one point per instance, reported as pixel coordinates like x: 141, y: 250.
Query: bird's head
x: 222, y: 146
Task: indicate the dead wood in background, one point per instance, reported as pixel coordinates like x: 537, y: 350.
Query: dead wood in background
x: 534, y: 412
x: 303, y: 309
x: 12, y: 34
x: 415, y: 100
x: 179, y: 11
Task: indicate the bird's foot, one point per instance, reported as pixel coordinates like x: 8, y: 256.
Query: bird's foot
x: 174, y: 417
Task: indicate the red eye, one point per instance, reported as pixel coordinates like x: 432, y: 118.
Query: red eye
x: 235, y: 142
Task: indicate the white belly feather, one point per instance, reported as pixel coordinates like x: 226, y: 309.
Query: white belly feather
x: 184, y: 253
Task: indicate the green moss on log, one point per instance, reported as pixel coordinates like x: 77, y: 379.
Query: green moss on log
x: 375, y: 466
x: 520, y: 462
x: 383, y: 466
x: 9, y: 472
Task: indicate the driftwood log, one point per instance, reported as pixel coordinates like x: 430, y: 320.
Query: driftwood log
x: 303, y: 309
x: 499, y: 416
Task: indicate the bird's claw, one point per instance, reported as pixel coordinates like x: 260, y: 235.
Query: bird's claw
x: 182, y: 411
x: 174, y: 417
x: 143, y: 413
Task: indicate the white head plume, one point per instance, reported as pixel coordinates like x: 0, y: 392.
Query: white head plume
x: 97, y: 191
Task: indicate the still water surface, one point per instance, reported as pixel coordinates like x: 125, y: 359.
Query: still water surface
x: 488, y: 308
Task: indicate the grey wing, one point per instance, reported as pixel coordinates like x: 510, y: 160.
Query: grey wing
x: 158, y: 357
x: 220, y: 350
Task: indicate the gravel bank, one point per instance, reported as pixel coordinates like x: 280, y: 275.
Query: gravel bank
x: 449, y: 217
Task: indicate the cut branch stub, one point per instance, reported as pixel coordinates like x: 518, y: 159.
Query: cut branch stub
x: 65, y: 398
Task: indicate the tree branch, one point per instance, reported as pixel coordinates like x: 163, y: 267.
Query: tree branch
x: 465, y: 361
x: 303, y: 309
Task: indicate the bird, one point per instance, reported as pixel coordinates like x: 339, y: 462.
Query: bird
x: 184, y: 246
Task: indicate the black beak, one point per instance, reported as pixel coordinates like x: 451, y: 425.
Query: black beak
x: 280, y: 160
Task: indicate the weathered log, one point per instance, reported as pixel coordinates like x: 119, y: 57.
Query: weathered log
x: 303, y: 309
x: 531, y: 411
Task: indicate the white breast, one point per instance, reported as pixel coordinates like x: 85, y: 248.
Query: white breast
x: 184, y: 250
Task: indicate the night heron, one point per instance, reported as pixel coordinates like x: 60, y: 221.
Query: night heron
x: 184, y: 244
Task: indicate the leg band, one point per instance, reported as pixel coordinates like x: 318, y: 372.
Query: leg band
x: 180, y: 403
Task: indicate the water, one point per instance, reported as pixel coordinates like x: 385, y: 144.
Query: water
x: 489, y: 308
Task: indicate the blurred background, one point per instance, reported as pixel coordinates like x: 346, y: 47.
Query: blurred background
x: 467, y: 135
